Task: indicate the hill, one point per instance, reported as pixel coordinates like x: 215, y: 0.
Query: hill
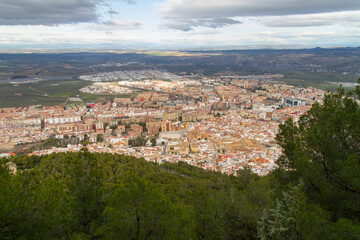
x: 117, y: 197
x: 314, y: 194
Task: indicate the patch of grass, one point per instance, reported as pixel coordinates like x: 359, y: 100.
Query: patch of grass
x: 317, y: 80
x: 63, y: 95
x: 320, y: 77
x: 41, y: 92
x: 87, y: 97
x: 6, y: 64
x: 54, y: 92
x: 328, y: 87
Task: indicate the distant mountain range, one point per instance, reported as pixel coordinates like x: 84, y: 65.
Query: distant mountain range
x: 342, y: 60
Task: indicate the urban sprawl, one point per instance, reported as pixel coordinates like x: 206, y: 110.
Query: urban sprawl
x: 217, y: 123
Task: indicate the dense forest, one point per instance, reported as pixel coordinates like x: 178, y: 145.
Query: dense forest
x: 314, y: 194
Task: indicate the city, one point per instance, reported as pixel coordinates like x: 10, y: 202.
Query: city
x: 180, y: 119
x: 220, y: 124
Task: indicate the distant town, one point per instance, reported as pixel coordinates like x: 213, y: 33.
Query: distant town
x: 222, y: 123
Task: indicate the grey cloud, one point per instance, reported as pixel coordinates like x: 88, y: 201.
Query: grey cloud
x: 189, y: 24
x: 49, y: 12
x: 119, y: 23
x: 190, y: 9
x: 111, y: 12
x: 137, y: 23
x: 294, y: 23
x: 312, y: 19
x: 115, y: 24
x: 130, y: 1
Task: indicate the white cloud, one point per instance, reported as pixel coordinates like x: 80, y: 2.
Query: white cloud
x: 183, y: 23
x: 259, y: 37
x: 186, y: 14
x: 321, y: 19
x: 234, y: 8
x: 115, y: 24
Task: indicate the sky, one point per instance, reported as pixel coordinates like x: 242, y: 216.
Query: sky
x: 178, y: 24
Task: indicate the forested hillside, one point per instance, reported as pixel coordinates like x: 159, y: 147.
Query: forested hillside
x: 83, y: 195
x: 314, y: 194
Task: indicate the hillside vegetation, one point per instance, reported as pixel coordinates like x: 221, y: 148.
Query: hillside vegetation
x: 314, y: 194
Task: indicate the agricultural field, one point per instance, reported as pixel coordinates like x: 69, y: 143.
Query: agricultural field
x: 317, y: 80
x: 48, y: 92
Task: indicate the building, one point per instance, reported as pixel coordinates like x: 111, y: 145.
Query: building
x: 160, y: 97
x: 173, y: 134
x: 294, y: 102
x: 172, y: 116
x: 194, y: 117
x: 155, y: 127
x: 121, y: 101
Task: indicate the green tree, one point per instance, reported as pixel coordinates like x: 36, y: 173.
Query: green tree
x: 138, y: 210
x: 323, y: 149
x: 33, y: 206
x: 100, y: 138
x: 138, y: 142
x: 143, y: 124
x: 85, y: 183
x: 294, y: 217
x: 281, y: 223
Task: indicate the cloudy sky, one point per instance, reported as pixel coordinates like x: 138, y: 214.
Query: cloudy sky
x: 178, y: 24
